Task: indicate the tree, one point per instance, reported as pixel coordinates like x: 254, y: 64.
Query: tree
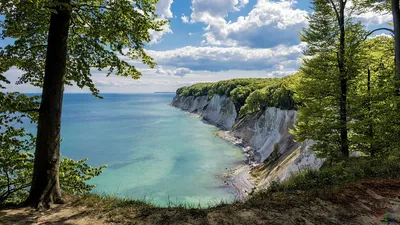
x: 331, y: 64
x: 396, y: 25
x: 16, y: 157
x: 239, y: 95
x: 375, y: 127
x: 393, y: 7
x: 15, y: 143
x: 339, y: 8
x: 58, y: 42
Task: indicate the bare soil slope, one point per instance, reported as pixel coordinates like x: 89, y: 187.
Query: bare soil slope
x: 368, y: 202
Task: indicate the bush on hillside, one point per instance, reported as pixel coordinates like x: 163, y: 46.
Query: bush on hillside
x: 339, y: 174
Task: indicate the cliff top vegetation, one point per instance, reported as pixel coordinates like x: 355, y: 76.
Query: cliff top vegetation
x: 248, y: 94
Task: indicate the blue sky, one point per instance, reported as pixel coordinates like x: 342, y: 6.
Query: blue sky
x: 211, y: 40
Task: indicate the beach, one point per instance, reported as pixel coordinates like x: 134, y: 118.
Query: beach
x: 239, y: 178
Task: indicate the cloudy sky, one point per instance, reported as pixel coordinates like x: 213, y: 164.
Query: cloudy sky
x: 211, y: 40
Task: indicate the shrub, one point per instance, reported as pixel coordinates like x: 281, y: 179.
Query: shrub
x: 16, y: 157
x: 354, y: 169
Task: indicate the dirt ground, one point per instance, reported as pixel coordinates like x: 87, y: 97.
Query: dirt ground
x: 367, y: 202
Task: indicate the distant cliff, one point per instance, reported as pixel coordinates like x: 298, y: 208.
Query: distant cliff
x: 218, y: 110
x: 265, y: 133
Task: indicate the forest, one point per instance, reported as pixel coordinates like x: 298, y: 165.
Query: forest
x: 248, y: 94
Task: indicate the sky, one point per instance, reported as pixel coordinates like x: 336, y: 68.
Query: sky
x: 211, y: 40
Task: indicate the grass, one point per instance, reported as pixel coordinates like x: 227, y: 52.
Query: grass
x: 111, y: 202
x: 339, y: 184
x: 312, y: 183
x: 291, y: 207
x: 330, y: 178
x: 119, y: 209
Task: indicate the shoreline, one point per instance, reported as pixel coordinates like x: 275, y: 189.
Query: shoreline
x: 239, y: 177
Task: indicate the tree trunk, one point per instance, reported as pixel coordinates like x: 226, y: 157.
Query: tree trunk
x: 344, y: 142
x: 45, y: 188
x: 396, y: 25
x: 370, y: 126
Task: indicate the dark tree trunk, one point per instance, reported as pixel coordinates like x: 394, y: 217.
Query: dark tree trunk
x: 344, y: 142
x: 45, y: 188
x: 396, y: 26
x: 370, y: 126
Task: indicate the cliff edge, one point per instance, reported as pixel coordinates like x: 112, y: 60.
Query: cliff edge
x: 273, y: 154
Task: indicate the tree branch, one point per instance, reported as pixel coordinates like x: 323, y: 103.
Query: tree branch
x: 334, y: 9
x: 29, y: 110
x: 4, y: 196
x: 378, y: 29
x: 11, y: 184
x: 90, y: 6
x: 83, y: 20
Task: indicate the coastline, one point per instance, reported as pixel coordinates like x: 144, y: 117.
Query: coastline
x: 238, y: 178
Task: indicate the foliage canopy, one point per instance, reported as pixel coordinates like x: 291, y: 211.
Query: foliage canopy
x: 103, y: 35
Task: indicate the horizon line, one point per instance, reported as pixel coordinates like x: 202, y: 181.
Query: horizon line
x: 156, y: 92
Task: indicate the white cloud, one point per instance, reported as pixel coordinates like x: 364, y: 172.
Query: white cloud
x: 231, y: 58
x: 180, y: 72
x: 163, y: 8
x: 208, y: 10
x: 243, y: 2
x: 369, y: 17
x: 267, y: 25
x: 156, y: 36
x: 150, y: 81
x: 374, y: 18
x: 184, y: 18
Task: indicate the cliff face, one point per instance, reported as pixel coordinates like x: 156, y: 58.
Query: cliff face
x: 219, y: 110
x: 267, y: 131
x: 266, y: 135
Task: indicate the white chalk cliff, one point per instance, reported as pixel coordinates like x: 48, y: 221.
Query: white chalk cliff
x: 219, y: 110
x: 265, y: 133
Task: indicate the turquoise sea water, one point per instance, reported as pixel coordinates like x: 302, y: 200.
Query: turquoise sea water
x: 153, y: 151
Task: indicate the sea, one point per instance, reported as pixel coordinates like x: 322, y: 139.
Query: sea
x: 153, y: 151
